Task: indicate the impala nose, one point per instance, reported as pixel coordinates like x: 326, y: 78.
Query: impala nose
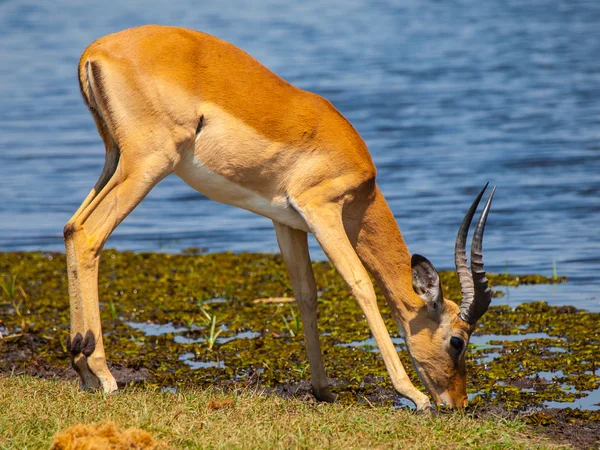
x: 447, y: 400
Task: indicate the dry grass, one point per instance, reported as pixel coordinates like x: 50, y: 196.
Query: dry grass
x: 33, y: 410
x: 103, y: 436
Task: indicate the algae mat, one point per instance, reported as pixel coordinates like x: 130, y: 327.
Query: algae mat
x: 191, y: 319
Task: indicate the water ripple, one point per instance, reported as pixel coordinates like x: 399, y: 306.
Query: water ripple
x: 448, y: 95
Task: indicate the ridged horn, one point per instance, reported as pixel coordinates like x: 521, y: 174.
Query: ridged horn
x: 460, y: 252
x: 475, y: 306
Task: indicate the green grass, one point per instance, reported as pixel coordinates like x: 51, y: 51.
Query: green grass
x: 213, y: 335
x: 33, y: 410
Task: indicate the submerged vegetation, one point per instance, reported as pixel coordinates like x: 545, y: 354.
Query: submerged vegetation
x: 177, y: 320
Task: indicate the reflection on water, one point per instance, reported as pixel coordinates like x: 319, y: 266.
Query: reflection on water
x: 188, y: 358
x: 447, y: 95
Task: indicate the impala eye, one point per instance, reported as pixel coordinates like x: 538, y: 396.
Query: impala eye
x: 457, y: 343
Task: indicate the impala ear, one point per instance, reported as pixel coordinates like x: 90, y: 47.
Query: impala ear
x: 426, y: 283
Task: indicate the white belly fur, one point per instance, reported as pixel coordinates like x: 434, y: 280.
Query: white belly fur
x: 194, y: 172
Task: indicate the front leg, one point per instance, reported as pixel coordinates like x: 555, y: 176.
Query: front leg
x: 325, y: 221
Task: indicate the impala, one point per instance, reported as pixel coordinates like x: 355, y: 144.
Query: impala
x: 171, y: 100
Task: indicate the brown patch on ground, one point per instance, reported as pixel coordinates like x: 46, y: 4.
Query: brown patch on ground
x: 103, y: 436
x: 129, y: 375
x: 220, y: 404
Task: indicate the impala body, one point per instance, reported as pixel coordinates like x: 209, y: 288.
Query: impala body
x: 170, y: 100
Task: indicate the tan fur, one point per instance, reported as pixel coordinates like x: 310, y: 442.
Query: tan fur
x: 170, y: 100
x: 103, y: 436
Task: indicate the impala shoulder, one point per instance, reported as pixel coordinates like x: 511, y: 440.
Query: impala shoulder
x: 337, y: 131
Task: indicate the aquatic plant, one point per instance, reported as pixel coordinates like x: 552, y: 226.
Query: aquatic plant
x: 213, y: 333
x: 113, y: 310
x: 294, y: 328
x: 12, y: 291
x: 553, y: 361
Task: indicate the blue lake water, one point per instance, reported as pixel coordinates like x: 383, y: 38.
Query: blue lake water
x: 447, y: 95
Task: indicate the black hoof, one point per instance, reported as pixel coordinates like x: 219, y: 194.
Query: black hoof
x: 325, y: 397
x: 428, y: 411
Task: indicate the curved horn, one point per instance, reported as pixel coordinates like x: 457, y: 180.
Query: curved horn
x: 460, y: 253
x: 472, y: 311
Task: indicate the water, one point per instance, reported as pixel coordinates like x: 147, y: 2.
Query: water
x: 447, y: 95
x: 188, y: 358
x: 589, y: 400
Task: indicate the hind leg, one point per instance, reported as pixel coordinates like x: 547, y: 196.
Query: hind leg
x: 121, y: 187
x: 294, y: 250
x: 110, y: 166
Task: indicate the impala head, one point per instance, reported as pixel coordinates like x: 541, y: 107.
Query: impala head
x: 438, y: 336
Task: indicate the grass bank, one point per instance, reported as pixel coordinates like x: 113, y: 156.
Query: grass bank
x: 33, y: 410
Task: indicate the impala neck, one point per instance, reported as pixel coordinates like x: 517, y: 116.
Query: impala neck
x: 380, y: 246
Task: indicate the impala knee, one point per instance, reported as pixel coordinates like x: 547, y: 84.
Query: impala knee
x: 72, y: 229
x: 87, y: 245
x: 69, y: 230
